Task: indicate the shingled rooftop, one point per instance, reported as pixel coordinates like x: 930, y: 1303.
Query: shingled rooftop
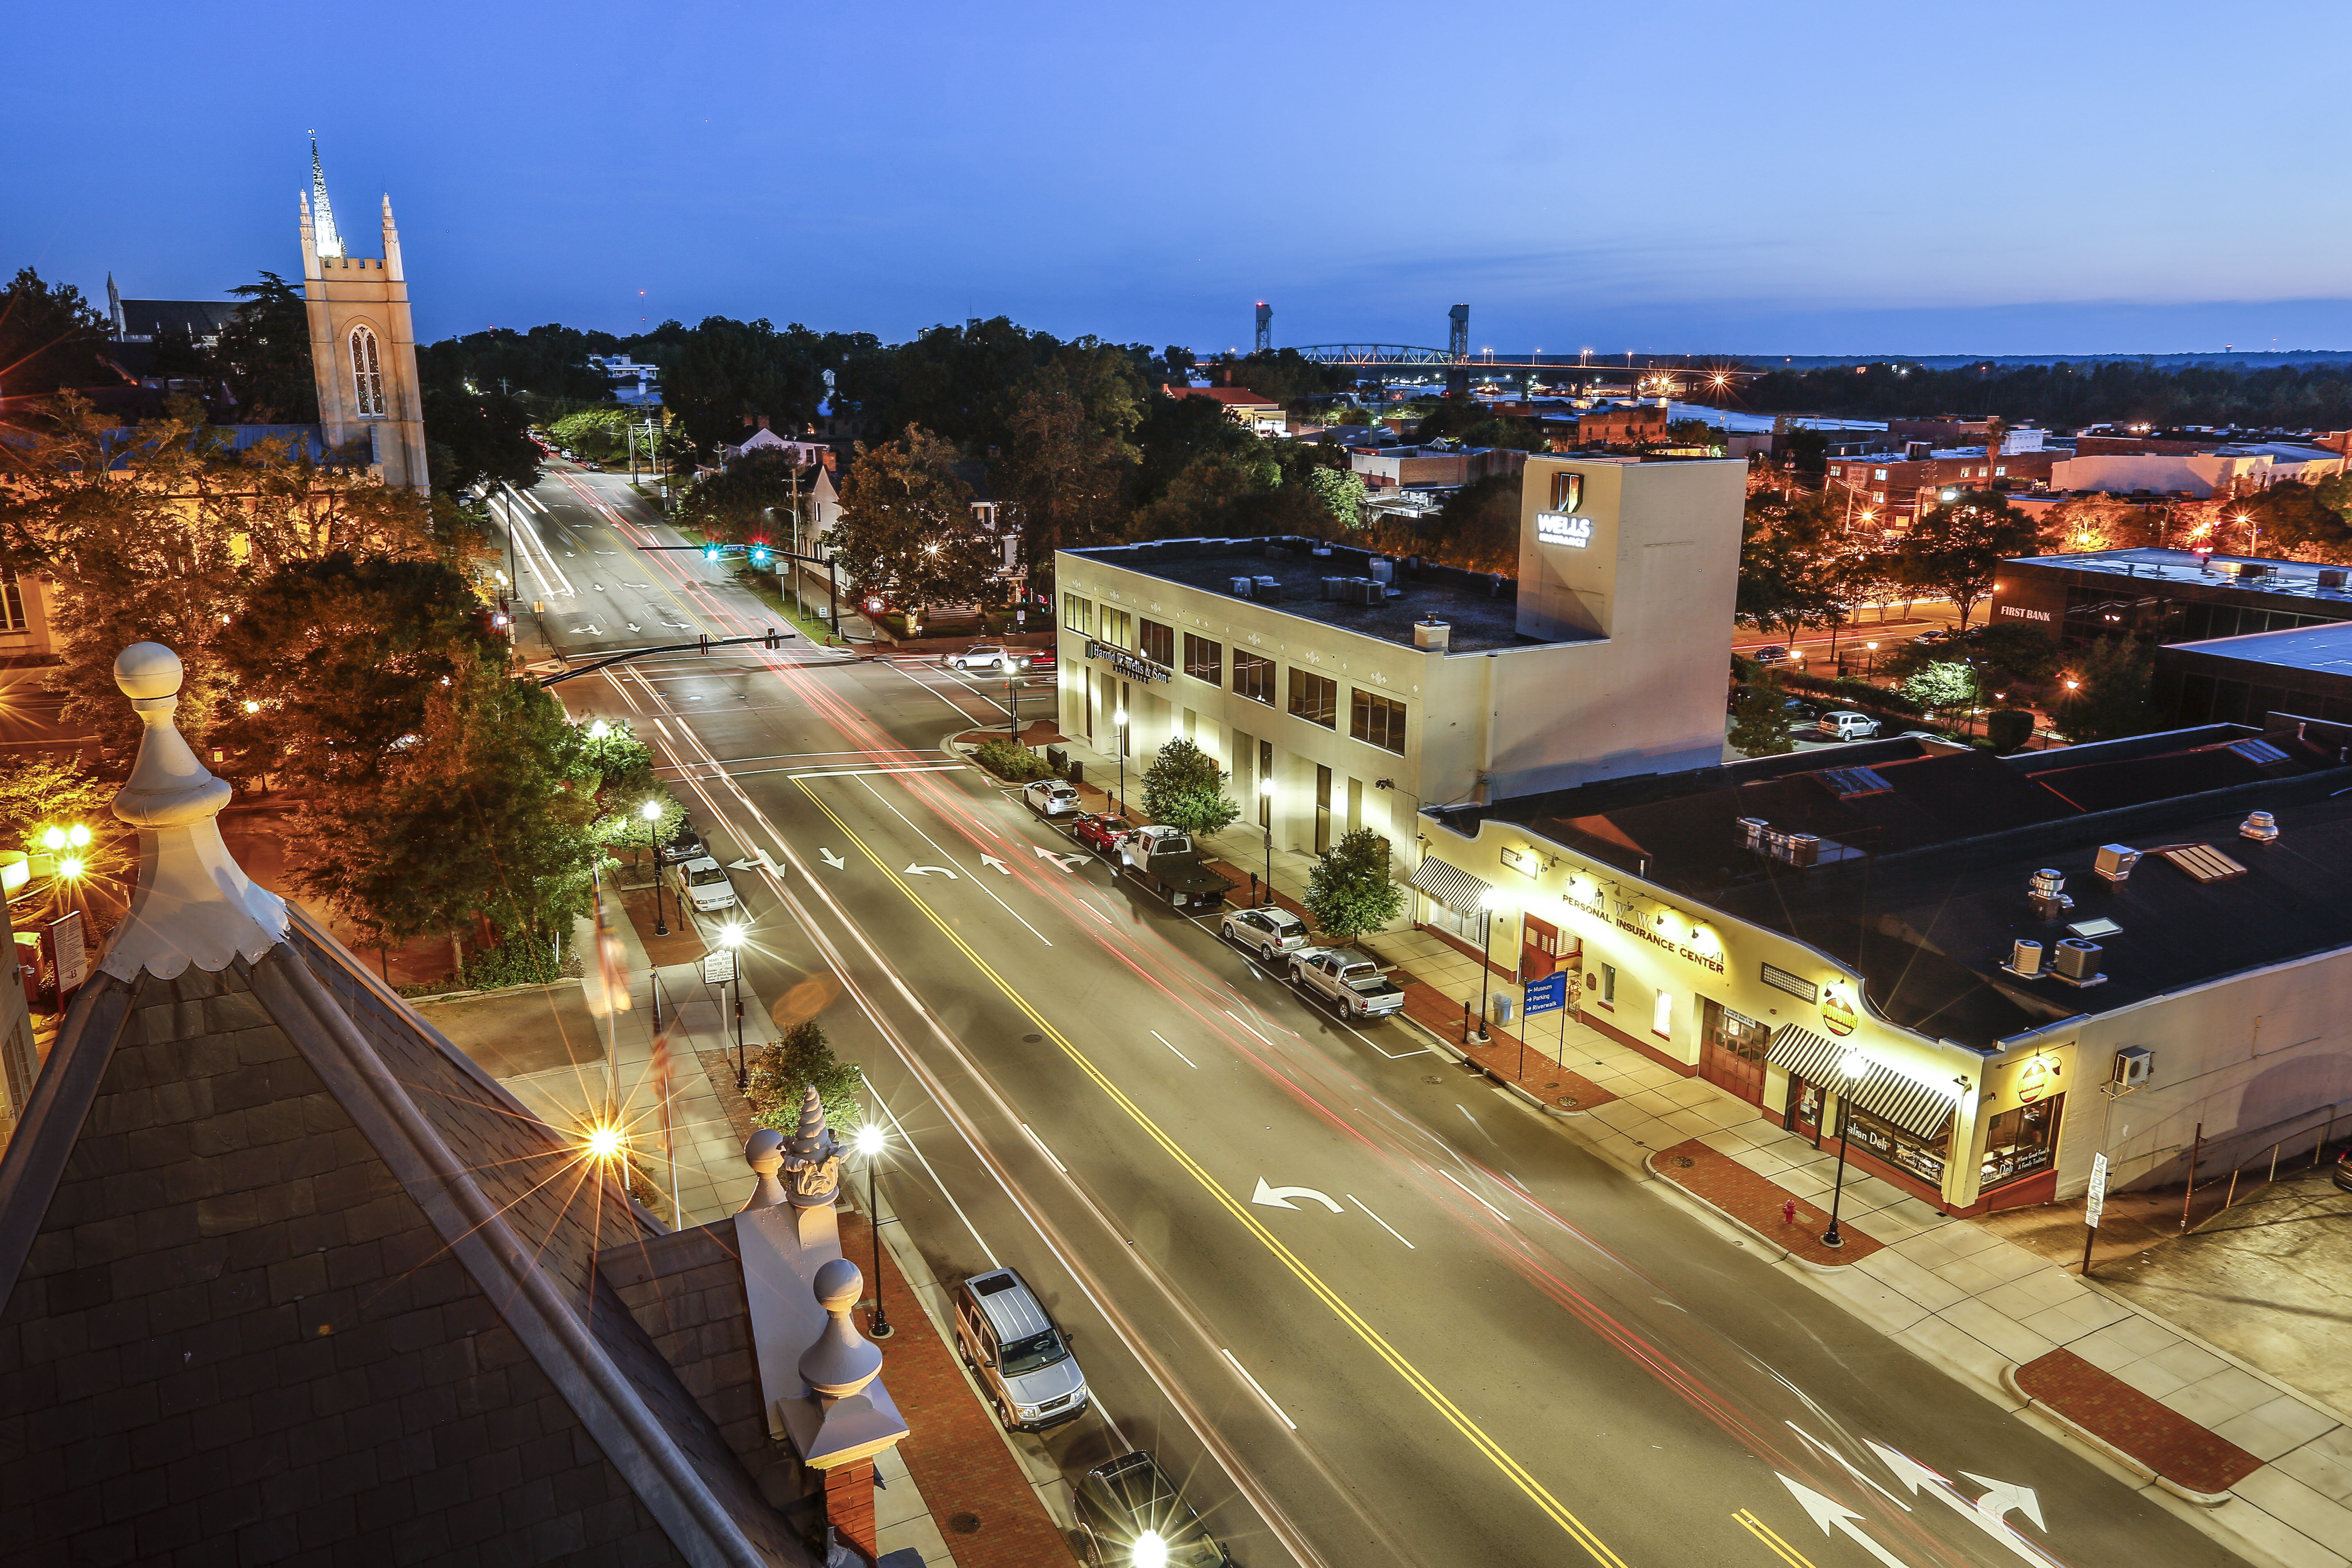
x: 285, y: 1277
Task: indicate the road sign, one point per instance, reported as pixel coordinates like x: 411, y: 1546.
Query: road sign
x: 718, y: 968
x: 1546, y: 995
x: 72, y: 956
x: 2097, y: 1200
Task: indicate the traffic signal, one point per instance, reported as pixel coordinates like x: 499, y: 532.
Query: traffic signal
x: 759, y: 556
x: 710, y: 553
x: 772, y: 641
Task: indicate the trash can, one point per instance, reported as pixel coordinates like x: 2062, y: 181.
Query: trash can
x: 1500, y: 1007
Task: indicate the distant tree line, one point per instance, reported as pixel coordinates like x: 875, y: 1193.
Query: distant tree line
x: 2067, y: 396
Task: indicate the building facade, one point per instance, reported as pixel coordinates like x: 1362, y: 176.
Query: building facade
x: 363, y: 342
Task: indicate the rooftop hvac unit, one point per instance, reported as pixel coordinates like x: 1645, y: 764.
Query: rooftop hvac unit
x: 2331, y: 576
x: 1383, y: 571
x: 1751, y: 832
x: 1331, y: 587
x: 1361, y: 591
x: 2260, y: 825
x: 2135, y: 1065
x: 2077, y: 960
x: 1241, y: 588
x: 2042, y: 892
x: 1269, y: 588
x: 1432, y: 636
x: 2115, y: 861
x: 2253, y: 569
x: 2024, y: 958
x: 1804, y: 849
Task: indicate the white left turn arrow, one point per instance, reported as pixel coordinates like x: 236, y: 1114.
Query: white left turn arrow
x: 1835, y: 1517
x: 930, y: 871
x: 1279, y: 1197
x: 1002, y: 868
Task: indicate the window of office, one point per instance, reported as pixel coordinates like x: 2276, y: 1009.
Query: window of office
x: 1159, y: 643
x: 1254, y: 677
x: 1078, y: 614
x: 1315, y: 697
x: 1203, y: 660
x: 1377, y: 719
x: 1117, y: 627
x: 1662, y: 1015
x: 1608, y: 986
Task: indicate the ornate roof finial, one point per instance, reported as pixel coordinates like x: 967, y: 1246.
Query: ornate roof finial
x: 814, y: 1156
x: 326, y: 242
x: 195, y: 904
x: 842, y: 1361
x: 764, y: 1153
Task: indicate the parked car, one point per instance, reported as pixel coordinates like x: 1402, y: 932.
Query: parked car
x: 684, y: 844
x: 1798, y: 711
x: 703, y: 883
x: 1847, y: 726
x: 1036, y: 659
x: 1052, y: 797
x: 1156, y: 839
x: 1019, y: 1356
x: 1266, y: 932
x: 2341, y: 1173
x: 1774, y: 653
x: 980, y: 655
x: 1347, y: 980
x: 1100, y: 830
x: 1130, y: 1512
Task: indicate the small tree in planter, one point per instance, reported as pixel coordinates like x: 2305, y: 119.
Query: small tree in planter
x: 1349, y: 892
x: 782, y: 1069
x: 1183, y: 787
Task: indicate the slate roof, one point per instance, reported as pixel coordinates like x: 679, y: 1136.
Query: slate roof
x: 157, y: 318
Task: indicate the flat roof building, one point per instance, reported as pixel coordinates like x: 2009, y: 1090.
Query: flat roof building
x: 2165, y: 596
x: 1955, y: 950
x: 1367, y: 688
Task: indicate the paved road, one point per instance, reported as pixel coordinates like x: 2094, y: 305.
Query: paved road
x: 1469, y: 1342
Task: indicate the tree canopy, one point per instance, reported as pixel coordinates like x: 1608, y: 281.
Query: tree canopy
x: 50, y: 337
x: 264, y: 354
x: 906, y: 526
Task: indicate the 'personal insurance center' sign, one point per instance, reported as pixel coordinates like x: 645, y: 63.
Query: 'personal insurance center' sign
x: 1560, y: 528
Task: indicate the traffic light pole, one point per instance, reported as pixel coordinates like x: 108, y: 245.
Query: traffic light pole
x: 831, y: 575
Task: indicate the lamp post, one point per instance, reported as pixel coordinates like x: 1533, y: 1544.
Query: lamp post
x: 731, y: 937
x: 1872, y: 667
x: 1265, y: 820
x: 651, y: 812
x: 870, y: 1143
x: 1490, y: 901
x: 1119, y: 718
x: 1853, y: 1066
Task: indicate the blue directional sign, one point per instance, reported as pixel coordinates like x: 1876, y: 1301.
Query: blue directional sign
x: 1546, y: 995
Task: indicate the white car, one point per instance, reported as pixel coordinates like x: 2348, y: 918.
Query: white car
x: 703, y: 883
x: 1845, y: 726
x: 1266, y: 932
x: 1052, y: 797
x: 980, y: 655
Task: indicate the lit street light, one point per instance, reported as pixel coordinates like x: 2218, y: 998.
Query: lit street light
x: 1265, y: 820
x: 870, y: 1143
x: 1120, y: 718
x: 651, y: 811
x: 1852, y: 1065
x: 1490, y: 901
x: 731, y: 937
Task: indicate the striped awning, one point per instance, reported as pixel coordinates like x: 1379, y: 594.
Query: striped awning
x: 1907, y: 1102
x: 1805, y: 1055
x: 1450, y: 884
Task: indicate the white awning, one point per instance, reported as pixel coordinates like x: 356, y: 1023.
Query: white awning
x: 1450, y: 884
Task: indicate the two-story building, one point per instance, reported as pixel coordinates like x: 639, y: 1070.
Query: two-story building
x: 1365, y: 688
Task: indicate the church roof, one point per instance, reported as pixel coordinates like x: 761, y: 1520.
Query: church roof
x: 284, y: 1273
x: 146, y: 319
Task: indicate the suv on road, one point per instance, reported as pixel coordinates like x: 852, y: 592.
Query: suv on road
x: 1265, y: 932
x: 1130, y: 1512
x: 1846, y: 726
x: 1021, y: 1358
x: 1052, y: 797
x: 980, y: 655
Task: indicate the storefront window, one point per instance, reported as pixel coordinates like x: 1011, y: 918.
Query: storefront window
x: 1438, y: 917
x: 1924, y: 1158
x: 2023, y: 1141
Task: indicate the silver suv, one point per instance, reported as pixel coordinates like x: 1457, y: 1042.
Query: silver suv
x: 1266, y: 932
x: 1013, y: 1347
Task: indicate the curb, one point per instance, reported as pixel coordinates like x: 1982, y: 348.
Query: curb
x: 1787, y: 1256
x: 1455, y: 1052
x: 477, y: 995
x: 2090, y: 1439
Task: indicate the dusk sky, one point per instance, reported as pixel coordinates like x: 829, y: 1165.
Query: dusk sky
x: 1699, y: 177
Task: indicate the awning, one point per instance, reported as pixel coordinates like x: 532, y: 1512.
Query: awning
x: 1450, y: 884
x: 1907, y: 1102
x: 1806, y: 1054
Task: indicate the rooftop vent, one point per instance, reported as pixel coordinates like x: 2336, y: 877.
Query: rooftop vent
x: 1331, y: 587
x: 2260, y: 825
x: 2202, y: 862
x: 2331, y: 576
x: 1269, y: 588
x: 2115, y: 861
x: 2044, y: 891
x: 1432, y: 635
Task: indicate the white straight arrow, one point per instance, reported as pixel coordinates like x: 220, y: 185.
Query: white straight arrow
x: 1279, y: 1197
x: 1835, y: 1517
x: 1002, y: 868
x: 830, y: 858
x: 1988, y: 1513
x: 1069, y: 863
x: 930, y: 871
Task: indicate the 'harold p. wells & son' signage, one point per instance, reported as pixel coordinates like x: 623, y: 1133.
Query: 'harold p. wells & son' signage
x: 1126, y: 663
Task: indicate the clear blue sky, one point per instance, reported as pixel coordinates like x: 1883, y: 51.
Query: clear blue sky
x: 1811, y: 179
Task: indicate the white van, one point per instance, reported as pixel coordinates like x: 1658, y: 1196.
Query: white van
x: 703, y: 883
x: 1021, y: 1359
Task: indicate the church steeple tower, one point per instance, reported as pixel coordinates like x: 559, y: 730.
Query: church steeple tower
x: 322, y: 217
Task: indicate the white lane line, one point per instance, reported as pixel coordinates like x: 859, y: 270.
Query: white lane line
x: 1473, y: 1197
x: 1261, y: 1392
x: 907, y: 1140
x: 1376, y: 1045
x: 1379, y: 1221
x: 1031, y: 1134
x: 1180, y: 1056
x: 944, y: 855
x: 1237, y: 1018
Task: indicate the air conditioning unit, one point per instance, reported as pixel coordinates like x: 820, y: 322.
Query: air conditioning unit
x: 1332, y: 588
x: 2115, y: 861
x: 2024, y: 959
x: 2135, y: 1065
x: 1804, y: 849
x: 2331, y: 576
x: 1269, y: 588
x: 1751, y: 832
x: 1383, y: 571
x: 2077, y: 961
x: 1241, y: 586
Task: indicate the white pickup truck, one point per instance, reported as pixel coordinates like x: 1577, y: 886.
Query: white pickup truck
x: 1348, y: 980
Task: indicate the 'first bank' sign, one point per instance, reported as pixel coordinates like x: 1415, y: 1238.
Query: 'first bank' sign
x: 1563, y: 528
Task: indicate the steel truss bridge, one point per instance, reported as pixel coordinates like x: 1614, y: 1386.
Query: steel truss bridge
x: 1385, y: 354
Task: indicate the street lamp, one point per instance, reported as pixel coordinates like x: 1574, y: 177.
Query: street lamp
x: 1265, y: 820
x: 1490, y: 901
x: 1119, y: 718
x: 731, y: 937
x: 651, y: 812
x: 1873, y: 668
x: 870, y: 1143
x: 1853, y: 1066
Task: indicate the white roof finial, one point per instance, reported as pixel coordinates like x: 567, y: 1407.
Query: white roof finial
x: 195, y: 904
x: 842, y: 1361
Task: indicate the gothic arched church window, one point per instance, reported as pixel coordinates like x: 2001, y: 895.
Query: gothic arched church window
x: 367, y: 374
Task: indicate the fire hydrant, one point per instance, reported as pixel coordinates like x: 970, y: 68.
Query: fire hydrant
x: 1789, y: 1212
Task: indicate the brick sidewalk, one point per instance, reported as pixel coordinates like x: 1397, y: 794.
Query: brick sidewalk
x: 977, y: 1494
x: 1533, y: 1069
x: 2122, y: 1416
x: 1759, y: 1204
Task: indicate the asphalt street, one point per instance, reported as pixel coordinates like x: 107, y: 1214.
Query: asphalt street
x: 1366, y: 1309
